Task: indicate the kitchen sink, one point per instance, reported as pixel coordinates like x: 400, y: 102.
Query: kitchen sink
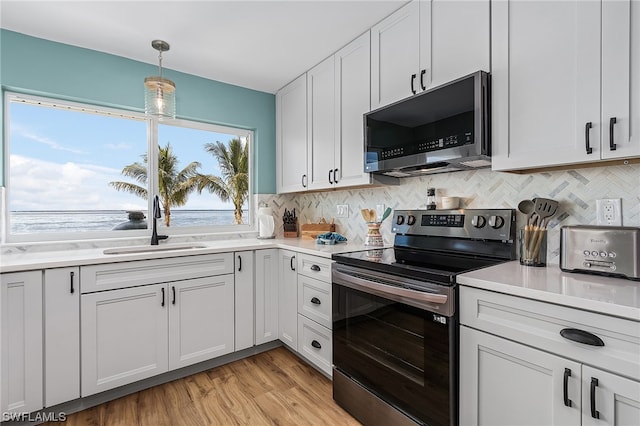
x: 153, y: 249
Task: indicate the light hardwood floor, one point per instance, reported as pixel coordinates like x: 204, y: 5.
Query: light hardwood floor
x: 271, y: 388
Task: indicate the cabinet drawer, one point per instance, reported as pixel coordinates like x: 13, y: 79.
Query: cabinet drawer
x: 314, y: 300
x: 538, y: 324
x: 315, y: 267
x: 314, y: 343
x: 131, y: 274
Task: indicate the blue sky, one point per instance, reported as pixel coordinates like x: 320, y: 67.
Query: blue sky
x: 64, y: 160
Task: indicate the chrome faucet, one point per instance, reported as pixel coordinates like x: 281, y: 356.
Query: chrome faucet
x: 156, y: 215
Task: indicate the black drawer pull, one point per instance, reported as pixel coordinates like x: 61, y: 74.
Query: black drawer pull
x: 612, y: 122
x: 413, y: 79
x: 71, y: 275
x: 315, y: 268
x: 588, y: 127
x: 239, y: 263
x: 581, y: 336
x: 293, y: 268
x: 330, y: 180
x: 422, y: 73
x: 316, y: 344
x: 173, y: 289
x: 162, y: 304
x: 335, y: 175
x: 565, y: 390
x: 315, y: 301
x: 594, y: 384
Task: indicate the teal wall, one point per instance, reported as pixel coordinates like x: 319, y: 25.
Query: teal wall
x: 36, y: 66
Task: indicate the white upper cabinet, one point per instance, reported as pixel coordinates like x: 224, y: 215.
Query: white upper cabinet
x: 562, y: 78
x: 353, y: 89
x: 460, y: 39
x: 291, y: 136
x: 321, y: 103
x: 400, y: 54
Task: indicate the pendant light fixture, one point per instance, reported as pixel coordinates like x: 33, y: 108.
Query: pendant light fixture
x: 159, y: 92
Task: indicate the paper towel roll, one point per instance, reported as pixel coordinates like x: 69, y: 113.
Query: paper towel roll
x: 267, y: 211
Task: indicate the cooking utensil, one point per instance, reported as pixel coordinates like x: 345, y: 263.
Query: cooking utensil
x: 386, y: 214
x: 544, y: 209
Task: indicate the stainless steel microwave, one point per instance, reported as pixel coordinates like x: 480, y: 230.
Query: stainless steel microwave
x: 444, y: 129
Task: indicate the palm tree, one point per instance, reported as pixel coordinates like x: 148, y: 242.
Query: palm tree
x: 174, y: 186
x: 233, y: 185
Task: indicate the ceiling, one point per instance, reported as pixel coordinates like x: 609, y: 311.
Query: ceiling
x: 261, y: 44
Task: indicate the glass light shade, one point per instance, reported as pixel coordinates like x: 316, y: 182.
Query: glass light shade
x: 159, y: 97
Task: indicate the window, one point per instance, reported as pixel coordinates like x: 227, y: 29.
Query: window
x: 77, y: 171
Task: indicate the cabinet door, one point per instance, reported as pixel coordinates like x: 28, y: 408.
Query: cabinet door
x: 244, y: 300
x: 201, y: 319
x: 266, y: 295
x: 321, y: 124
x: 353, y: 89
x: 288, y: 299
x: 396, y: 55
x: 61, y: 335
x: 460, y: 39
x: 124, y: 336
x: 545, y: 83
x: 506, y: 383
x: 620, y: 78
x: 616, y: 400
x: 291, y: 136
x: 21, y: 340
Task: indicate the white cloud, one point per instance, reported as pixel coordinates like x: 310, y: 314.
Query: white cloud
x: 122, y: 146
x: 29, y: 134
x: 42, y: 185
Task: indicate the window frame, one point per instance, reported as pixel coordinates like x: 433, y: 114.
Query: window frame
x: 152, y: 185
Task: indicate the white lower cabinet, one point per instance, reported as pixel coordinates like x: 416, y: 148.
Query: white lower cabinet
x: 521, y: 365
x: 315, y: 343
x: 21, y: 342
x: 266, y: 271
x: 124, y: 337
x: 201, y: 318
x: 244, y: 299
x: 288, y: 299
x: 61, y: 335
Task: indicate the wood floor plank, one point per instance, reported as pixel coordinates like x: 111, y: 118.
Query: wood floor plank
x: 271, y: 388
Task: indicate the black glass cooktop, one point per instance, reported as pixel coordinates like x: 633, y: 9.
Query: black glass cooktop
x: 417, y: 264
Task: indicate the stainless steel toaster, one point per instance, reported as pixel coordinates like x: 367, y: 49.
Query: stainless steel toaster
x: 606, y: 250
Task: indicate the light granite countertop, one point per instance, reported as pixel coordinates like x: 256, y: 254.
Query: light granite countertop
x: 612, y: 296
x: 17, y: 262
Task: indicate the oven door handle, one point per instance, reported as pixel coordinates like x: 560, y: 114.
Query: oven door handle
x: 398, y: 294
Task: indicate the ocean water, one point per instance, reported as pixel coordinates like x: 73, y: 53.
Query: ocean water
x: 105, y: 220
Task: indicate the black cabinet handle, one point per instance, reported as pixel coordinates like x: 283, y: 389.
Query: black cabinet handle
x: 413, y: 79
x: 304, y: 177
x: 588, y: 127
x: 162, y: 289
x: 335, y: 175
x: 422, y: 73
x: 315, y: 268
x: 239, y: 263
x: 581, y: 336
x: 71, y: 275
x: 293, y: 268
x: 316, y: 344
x: 612, y: 123
x: 173, y: 290
x: 330, y: 180
x: 594, y: 384
x: 315, y: 301
x: 565, y: 386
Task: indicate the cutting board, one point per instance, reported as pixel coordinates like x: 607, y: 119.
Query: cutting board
x: 310, y: 231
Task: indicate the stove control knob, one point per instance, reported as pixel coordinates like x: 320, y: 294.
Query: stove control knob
x: 400, y: 220
x: 411, y: 220
x: 496, y: 222
x: 478, y: 221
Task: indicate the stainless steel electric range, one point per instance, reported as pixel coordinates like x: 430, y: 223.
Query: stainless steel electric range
x: 395, y: 319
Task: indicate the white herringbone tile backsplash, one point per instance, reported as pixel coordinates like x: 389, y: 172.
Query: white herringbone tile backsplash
x: 577, y: 191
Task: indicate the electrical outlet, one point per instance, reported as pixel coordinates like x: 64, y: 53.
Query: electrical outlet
x: 609, y: 212
x: 342, y: 210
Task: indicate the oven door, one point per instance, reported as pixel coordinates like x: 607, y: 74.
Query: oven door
x: 405, y: 355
